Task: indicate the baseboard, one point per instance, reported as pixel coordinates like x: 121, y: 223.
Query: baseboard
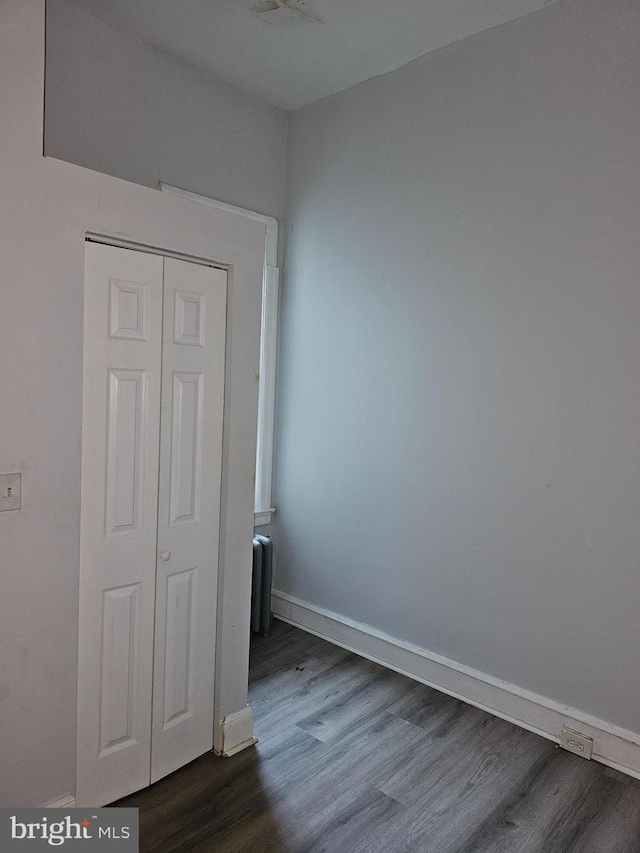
x: 616, y: 747
x: 66, y: 802
x: 236, y: 732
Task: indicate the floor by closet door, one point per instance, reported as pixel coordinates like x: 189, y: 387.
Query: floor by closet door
x: 151, y: 470
x: 188, y: 513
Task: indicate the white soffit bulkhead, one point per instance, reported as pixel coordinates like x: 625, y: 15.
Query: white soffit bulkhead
x: 292, y: 52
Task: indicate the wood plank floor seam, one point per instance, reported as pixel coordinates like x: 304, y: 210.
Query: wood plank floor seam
x: 354, y: 758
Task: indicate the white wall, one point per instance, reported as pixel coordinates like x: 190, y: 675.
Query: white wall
x: 119, y: 106
x: 47, y: 207
x: 459, y: 390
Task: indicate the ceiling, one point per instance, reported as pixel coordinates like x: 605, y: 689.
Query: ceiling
x: 292, y: 52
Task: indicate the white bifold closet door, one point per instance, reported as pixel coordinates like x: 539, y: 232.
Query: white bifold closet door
x: 153, y: 401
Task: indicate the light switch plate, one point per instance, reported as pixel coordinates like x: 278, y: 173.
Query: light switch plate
x: 10, y: 491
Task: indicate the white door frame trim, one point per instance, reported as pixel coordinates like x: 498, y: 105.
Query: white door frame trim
x: 268, y: 346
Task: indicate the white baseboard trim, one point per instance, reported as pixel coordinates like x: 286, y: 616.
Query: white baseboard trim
x: 236, y: 732
x: 66, y: 802
x: 616, y: 747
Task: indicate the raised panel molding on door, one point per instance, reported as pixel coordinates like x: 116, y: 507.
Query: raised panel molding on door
x: 120, y: 445
x: 151, y: 480
x: 119, y: 676
x: 125, y: 466
x: 128, y: 310
x: 189, y: 318
x: 186, y: 447
x: 179, y: 644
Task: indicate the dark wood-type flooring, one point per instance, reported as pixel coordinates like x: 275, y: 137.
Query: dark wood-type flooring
x: 354, y: 758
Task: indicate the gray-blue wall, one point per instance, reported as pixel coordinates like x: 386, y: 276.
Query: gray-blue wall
x: 117, y: 105
x: 459, y: 390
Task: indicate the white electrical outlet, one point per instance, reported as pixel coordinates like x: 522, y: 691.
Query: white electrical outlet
x: 575, y: 742
x: 10, y: 491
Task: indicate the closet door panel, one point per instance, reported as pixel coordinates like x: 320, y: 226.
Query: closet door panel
x: 120, y: 446
x: 188, y: 513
